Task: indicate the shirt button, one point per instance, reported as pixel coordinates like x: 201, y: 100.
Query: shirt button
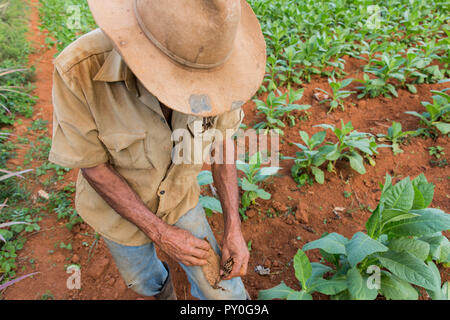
x: 162, y: 192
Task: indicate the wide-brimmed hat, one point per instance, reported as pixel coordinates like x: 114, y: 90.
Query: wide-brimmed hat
x: 201, y: 57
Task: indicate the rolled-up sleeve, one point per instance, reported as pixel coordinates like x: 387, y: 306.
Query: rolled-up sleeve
x: 75, y: 142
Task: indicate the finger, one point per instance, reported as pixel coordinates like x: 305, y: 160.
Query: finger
x: 199, y: 253
x: 192, y: 261
x: 201, y: 244
x: 235, y: 272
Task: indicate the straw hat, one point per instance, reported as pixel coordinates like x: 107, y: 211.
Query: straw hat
x: 201, y: 57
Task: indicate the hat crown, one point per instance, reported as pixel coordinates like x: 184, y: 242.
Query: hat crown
x: 195, y: 33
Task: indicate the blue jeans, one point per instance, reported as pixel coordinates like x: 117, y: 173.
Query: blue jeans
x: 145, y: 274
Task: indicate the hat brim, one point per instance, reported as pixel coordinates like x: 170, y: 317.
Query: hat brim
x: 199, y: 92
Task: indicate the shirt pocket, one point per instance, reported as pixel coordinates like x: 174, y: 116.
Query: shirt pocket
x: 127, y: 150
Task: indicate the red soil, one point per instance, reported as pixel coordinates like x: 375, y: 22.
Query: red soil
x: 274, y: 240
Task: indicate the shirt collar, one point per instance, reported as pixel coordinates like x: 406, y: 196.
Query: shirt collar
x: 115, y: 69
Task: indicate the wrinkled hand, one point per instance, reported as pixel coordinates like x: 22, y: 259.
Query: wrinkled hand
x: 234, y: 246
x: 183, y: 247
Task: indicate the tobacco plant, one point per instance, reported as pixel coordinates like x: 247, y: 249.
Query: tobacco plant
x: 254, y: 174
x: 437, y: 117
x: 337, y: 95
x: 395, y: 256
x: 395, y: 135
x: 308, y: 161
x: 352, y: 145
x: 274, y: 108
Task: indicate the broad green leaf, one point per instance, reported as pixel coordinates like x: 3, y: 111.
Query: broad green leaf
x: 356, y: 162
x: 427, y: 221
x: 419, y: 200
x: 443, y: 127
x: 426, y: 190
x: 204, y: 177
x: 439, y: 247
x: 437, y: 293
x: 242, y: 166
x: 210, y: 203
x: 373, y: 224
x: 357, y: 286
x: 361, y: 246
x: 318, y: 175
x: 399, y: 196
x: 247, y: 186
x: 417, y: 248
x: 281, y: 291
x: 305, y: 137
x: 328, y: 287
x: 393, y: 288
x: 332, y: 243
x: 318, y: 138
x: 318, y: 270
x: 391, y: 215
x: 299, y: 295
x: 302, y: 267
x: 409, y: 268
x: 263, y: 194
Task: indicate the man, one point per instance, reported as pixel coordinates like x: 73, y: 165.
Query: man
x: 119, y: 92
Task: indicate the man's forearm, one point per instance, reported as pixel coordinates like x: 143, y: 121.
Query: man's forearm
x: 114, y: 189
x: 225, y: 180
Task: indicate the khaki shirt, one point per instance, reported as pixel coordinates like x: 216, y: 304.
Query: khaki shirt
x: 103, y: 114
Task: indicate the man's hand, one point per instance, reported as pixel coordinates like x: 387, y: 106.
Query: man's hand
x: 114, y: 189
x: 234, y: 246
x: 183, y: 247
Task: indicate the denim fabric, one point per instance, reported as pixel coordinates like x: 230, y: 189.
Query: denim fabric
x: 145, y: 274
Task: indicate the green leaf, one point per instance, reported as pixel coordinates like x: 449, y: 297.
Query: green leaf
x: 302, y: 267
x: 204, y: 178
x: 318, y: 270
x: 426, y: 190
x: 361, y: 246
x: 263, y: 194
x: 439, y: 247
x: 210, y: 203
x: 281, y: 291
x: 436, y: 293
x: 409, y: 268
x: 357, y: 286
x: 332, y: 243
x: 356, y: 162
x: 318, y: 175
x: 443, y: 127
x: 328, y: 287
x: 417, y: 248
x: 427, y: 221
x: 299, y: 295
x: 393, y: 288
x: 247, y: 186
x: 400, y: 196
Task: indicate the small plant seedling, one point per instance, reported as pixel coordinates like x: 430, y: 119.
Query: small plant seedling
x: 437, y: 151
x: 254, y: 174
x: 437, y: 117
x: 337, y: 95
x: 274, y: 108
x: 395, y: 136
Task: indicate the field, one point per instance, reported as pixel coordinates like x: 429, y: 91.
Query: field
x: 357, y: 90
